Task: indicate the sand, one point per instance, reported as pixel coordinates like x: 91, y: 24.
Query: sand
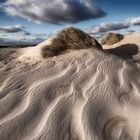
x: 80, y: 95
x: 133, y: 38
x: 128, y: 48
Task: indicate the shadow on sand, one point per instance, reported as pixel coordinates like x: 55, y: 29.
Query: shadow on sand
x: 125, y: 51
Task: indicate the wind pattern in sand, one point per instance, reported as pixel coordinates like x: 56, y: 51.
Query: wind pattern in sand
x: 81, y: 95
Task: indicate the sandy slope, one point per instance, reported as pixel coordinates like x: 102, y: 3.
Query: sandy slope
x: 81, y: 95
x: 133, y: 38
x: 128, y: 48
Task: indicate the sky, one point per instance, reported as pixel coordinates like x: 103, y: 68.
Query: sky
x: 32, y: 21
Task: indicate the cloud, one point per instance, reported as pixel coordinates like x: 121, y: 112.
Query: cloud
x: 23, y: 41
x: 17, y: 35
x: 42, y: 35
x: 53, y: 11
x: 134, y: 21
x: 2, y: 40
x: 114, y: 26
x: 105, y: 27
x: 14, y: 29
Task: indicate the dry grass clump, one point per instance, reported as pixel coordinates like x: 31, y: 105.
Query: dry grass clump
x: 69, y: 38
x: 111, y: 38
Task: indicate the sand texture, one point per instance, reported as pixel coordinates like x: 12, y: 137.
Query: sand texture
x: 82, y: 94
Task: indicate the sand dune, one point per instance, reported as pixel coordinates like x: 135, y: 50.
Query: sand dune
x: 127, y: 48
x: 82, y: 94
x: 133, y: 38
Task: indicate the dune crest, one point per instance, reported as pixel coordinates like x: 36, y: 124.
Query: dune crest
x: 82, y: 94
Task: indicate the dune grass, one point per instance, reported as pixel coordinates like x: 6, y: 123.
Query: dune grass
x: 69, y: 38
x: 111, y: 38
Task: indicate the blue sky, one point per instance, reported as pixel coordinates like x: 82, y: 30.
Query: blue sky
x: 27, y: 21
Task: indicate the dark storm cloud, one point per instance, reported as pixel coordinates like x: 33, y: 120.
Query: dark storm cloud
x: 54, y: 11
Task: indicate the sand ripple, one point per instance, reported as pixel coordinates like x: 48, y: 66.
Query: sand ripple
x: 81, y: 95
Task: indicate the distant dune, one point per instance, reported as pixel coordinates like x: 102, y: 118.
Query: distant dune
x: 111, y: 38
x: 129, y: 47
x: 133, y: 38
x: 84, y: 94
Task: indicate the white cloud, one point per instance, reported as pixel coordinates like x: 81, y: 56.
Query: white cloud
x: 17, y: 35
x: 134, y: 21
x: 53, y: 11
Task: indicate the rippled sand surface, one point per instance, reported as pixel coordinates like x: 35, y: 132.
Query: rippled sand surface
x: 80, y: 95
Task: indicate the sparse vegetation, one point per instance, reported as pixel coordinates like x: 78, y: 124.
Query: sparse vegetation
x: 69, y: 38
x: 111, y: 38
